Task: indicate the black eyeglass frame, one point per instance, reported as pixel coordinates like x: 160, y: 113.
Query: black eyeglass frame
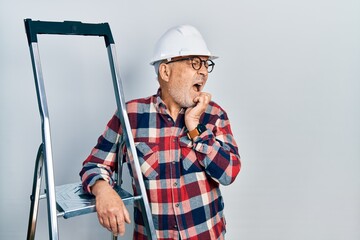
x: 209, y: 64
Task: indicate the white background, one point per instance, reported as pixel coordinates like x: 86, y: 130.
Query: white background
x: 288, y: 76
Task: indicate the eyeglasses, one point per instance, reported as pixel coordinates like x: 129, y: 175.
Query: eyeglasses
x: 197, y: 63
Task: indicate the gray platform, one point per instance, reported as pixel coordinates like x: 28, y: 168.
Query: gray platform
x: 71, y: 200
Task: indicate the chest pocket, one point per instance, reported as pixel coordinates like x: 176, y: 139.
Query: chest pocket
x: 188, y: 156
x: 148, y: 154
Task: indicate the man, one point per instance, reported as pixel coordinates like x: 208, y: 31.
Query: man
x: 185, y: 147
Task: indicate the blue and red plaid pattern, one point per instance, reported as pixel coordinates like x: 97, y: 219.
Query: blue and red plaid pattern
x: 181, y: 177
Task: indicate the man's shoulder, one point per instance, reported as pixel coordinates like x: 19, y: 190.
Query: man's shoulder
x: 215, y: 110
x: 144, y: 100
x: 140, y: 105
x: 214, y: 107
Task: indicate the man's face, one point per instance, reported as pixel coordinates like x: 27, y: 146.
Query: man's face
x: 186, y: 83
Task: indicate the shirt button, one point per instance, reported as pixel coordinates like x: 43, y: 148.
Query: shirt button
x: 177, y: 205
x: 175, y: 226
x: 175, y: 184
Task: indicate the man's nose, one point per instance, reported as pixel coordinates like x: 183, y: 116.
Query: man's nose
x: 203, y: 70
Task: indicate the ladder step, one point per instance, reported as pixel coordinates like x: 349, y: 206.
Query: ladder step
x: 71, y: 200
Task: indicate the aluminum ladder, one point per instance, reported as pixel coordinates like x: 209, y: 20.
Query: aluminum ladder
x: 69, y: 200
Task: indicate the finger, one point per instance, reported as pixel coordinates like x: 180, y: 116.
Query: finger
x: 202, y: 95
x: 106, y: 224
x: 120, y: 225
x: 114, y: 226
x: 196, y: 99
x: 207, y: 97
x: 127, y: 216
x: 101, y: 221
x: 203, y: 100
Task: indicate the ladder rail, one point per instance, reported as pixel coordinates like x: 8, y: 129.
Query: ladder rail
x: 130, y: 144
x: 35, y: 194
x: 46, y: 140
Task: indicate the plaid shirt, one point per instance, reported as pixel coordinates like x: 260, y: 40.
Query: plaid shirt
x: 181, y: 177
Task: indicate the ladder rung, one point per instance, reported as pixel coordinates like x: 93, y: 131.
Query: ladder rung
x: 71, y: 200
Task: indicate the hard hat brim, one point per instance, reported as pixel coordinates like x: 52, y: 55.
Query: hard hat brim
x: 169, y: 57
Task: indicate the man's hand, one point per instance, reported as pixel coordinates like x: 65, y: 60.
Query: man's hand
x: 193, y: 114
x: 111, y: 211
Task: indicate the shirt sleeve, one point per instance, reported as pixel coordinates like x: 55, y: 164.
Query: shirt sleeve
x: 217, y: 151
x: 102, y: 161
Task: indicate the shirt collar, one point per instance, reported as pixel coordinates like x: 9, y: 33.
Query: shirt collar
x: 159, y: 104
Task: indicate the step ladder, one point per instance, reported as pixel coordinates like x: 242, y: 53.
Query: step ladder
x: 70, y: 200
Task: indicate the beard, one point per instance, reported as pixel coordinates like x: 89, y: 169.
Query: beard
x: 182, y: 97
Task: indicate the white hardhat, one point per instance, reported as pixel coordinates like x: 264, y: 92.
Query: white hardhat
x: 183, y: 40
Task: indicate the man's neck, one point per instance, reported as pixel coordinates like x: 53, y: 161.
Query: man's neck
x: 173, y: 107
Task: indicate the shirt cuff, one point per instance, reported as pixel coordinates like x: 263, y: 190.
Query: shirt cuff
x: 203, y: 144
x: 99, y: 177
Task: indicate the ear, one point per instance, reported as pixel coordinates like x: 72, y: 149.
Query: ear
x: 164, y: 72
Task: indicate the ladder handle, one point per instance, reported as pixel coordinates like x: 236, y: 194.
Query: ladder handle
x: 67, y: 28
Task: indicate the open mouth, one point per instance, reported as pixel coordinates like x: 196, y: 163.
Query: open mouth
x: 198, y: 87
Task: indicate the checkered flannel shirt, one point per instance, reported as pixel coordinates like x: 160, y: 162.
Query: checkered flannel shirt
x: 181, y: 177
